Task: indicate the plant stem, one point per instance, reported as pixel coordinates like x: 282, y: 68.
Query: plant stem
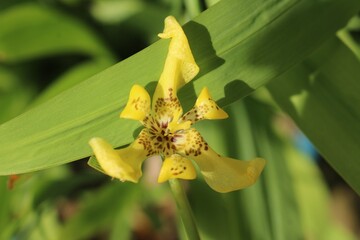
x: 184, y: 209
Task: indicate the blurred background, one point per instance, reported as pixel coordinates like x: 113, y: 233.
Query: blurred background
x: 299, y: 196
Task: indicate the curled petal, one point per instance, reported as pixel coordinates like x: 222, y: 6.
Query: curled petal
x: 221, y: 173
x: 176, y: 166
x: 205, y: 108
x: 179, y: 49
x: 111, y: 162
x: 226, y: 174
x: 138, y: 105
x: 180, y: 68
x: 124, y: 164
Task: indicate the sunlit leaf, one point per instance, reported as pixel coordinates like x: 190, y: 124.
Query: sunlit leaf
x: 239, y: 46
x: 322, y: 96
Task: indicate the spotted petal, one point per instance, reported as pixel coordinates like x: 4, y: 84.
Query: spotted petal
x: 138, y: 105
x: 124, y: 164
x: 221, y: 173
x: 176, y: 166
x: 179, y: 68
x: 205, y: 108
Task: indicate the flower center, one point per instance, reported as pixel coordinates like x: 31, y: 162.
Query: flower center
x: 164, y: 140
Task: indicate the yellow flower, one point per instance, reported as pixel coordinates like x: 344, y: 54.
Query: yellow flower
x: 168, y: 133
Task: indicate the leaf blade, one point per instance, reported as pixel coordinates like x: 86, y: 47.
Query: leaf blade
x: 57, y: 132
x: 323, y: 100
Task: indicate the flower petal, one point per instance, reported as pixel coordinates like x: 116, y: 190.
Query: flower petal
x: 179, y: 49
x: 205, y: 108
x: 138, y: 105
x: 179, y: 68
x: 124, y: 164
x: 221, y: 173
x: 226, y: 174
x: 176, y: 166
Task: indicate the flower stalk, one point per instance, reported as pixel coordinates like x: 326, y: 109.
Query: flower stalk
x: 184, y: 209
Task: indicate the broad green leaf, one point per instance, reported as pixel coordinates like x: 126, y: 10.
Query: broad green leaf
x: 322, y: 96
x: 239, y: 45
x: 95, y: 164
x: 32, y: 31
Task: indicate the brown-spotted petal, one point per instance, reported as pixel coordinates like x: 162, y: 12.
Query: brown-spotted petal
x: 123, y: 164
x: 221, y: 173
x: 176, y: 166
x: 138, y: 105
x: 205, y: 108
x: 180, y: 68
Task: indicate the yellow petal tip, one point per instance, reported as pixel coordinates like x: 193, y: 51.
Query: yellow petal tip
x: 208, y: 106
x: 138, y: 105
x: 176, y: 166
x: 93, y: 140
x: 111, y: 162
x: 255, y: 168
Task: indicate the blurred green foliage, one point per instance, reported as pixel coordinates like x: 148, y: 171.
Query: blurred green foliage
x: 58, y: 67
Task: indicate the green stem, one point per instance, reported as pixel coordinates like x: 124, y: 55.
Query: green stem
x: 184, y: 209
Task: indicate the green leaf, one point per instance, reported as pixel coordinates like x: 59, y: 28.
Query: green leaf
x: 92, y: 162
x: 32, y: 31
x: 322, y: 96
x: 239, y: 45
x: 270, y: 204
